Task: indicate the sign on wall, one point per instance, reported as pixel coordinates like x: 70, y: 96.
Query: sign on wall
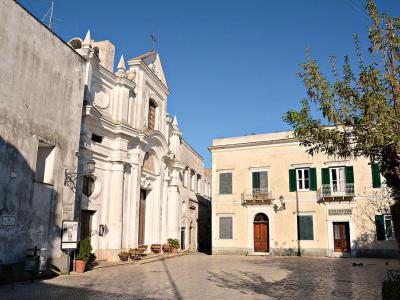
x: 339, y: 212
x: 69, y: 235
x: 8, y: 221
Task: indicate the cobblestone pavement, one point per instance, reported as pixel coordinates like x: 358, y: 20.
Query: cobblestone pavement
x: 218, y: 277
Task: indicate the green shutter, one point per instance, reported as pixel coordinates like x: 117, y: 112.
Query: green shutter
x: 305, y: 228
x: 349, y: 174
x: 292, y: 180
x: 325, y: 176
x: 313, y: 179
x: 380, y: 228
x: 376, y: 175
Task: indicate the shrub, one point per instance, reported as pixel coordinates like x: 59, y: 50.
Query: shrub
x: 391, y: 286
x: 174, y: 243
x: 85, y: 251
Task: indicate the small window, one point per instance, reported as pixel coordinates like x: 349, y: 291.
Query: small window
x: 97, y: 138
x: 88, y: 185
x: 198, y: 184
x: 225, y: 183
x: 45, y: 163
x: 225, y: 228
x: 305, y: 228
x: 193, y: 182
x: 303, y: 179
x: 152, y: 114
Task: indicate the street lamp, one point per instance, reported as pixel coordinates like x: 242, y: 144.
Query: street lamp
x: 71, y: 177
x: 282, y: 200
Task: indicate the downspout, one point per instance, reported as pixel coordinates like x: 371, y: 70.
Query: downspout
x: 297, y: 223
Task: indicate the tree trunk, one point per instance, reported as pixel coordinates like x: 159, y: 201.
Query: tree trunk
x: 391, y: 171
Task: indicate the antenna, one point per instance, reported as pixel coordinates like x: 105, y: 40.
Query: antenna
x: 51, y: 11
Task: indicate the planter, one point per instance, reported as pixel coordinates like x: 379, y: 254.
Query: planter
x: 173, y: 250
x: 156, y: 249
x: 80, y: 266
x: 123, y: 258
x: 166, y: 248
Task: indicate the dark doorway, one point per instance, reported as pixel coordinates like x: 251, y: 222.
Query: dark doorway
x: 341, y: 236
x: 86, y: 224
x: 142, y: 216
x: 261, y: 234
x: 183, y: 238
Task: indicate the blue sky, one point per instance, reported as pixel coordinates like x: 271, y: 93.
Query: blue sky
x: 230, y: 65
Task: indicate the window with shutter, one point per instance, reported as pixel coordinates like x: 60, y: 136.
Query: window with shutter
x: 292, y: 180
x: 225, y: 228
x: 376, y: 176
x: 380, y: 227
x: 313, y: 179
x: 305, y: 228
x: 349, y: 174
x: 303, y: 179
x: 225, y: 183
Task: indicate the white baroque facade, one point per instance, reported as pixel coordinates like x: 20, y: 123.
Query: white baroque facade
x: 134, y: 195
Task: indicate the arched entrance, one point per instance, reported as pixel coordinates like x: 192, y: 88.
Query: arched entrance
x: 261, y: 233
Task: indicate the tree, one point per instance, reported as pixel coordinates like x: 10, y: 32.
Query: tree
x: 360, y: 110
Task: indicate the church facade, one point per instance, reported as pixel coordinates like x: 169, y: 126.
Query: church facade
x: 136, y: 195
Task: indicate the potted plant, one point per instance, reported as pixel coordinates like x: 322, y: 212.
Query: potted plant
x: 84, y: 255
x: 123, y: 255
x: 134, y: 254
x: 174, y: 244
x: 156, y: 248
x: 166, y: 248
x: 142, y: 248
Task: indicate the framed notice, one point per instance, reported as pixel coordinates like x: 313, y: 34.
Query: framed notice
x: 69, y: 235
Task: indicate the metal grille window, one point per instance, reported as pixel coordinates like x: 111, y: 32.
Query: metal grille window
x: 225, y: 183
x: 303, y: 179
x: 305, y: 228
x: 225, y: 228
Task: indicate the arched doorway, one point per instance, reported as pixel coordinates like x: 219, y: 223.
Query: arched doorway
x: 261, y: 233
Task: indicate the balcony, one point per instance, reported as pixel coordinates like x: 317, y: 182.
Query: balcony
x: 335, y: 192
x: 257, y: 196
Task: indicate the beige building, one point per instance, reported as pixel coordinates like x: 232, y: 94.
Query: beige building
x: 270, y: 196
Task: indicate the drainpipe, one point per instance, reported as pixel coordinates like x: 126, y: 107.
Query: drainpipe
x: 297, y: 224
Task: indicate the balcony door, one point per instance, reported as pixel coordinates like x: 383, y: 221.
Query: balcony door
x: 338, y: 180
x: 341, y: 236
x: 259, y: 182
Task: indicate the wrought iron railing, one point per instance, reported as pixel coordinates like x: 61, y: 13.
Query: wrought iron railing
x: 337, y: 190
x: 257, y: 196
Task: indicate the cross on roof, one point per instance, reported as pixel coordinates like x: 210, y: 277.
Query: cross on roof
x: 153, y: 41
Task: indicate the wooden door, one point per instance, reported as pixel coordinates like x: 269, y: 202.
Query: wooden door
x: 86, y: 224
x: 261, y: 237
x: 341, y: 236
x: 142, y: 216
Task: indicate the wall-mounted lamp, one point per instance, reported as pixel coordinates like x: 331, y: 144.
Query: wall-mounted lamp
x: 70, y: 177
x: 282, y: 200
x: 101, y: 230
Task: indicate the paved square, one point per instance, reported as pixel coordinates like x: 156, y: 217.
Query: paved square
x: 218, y: 277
